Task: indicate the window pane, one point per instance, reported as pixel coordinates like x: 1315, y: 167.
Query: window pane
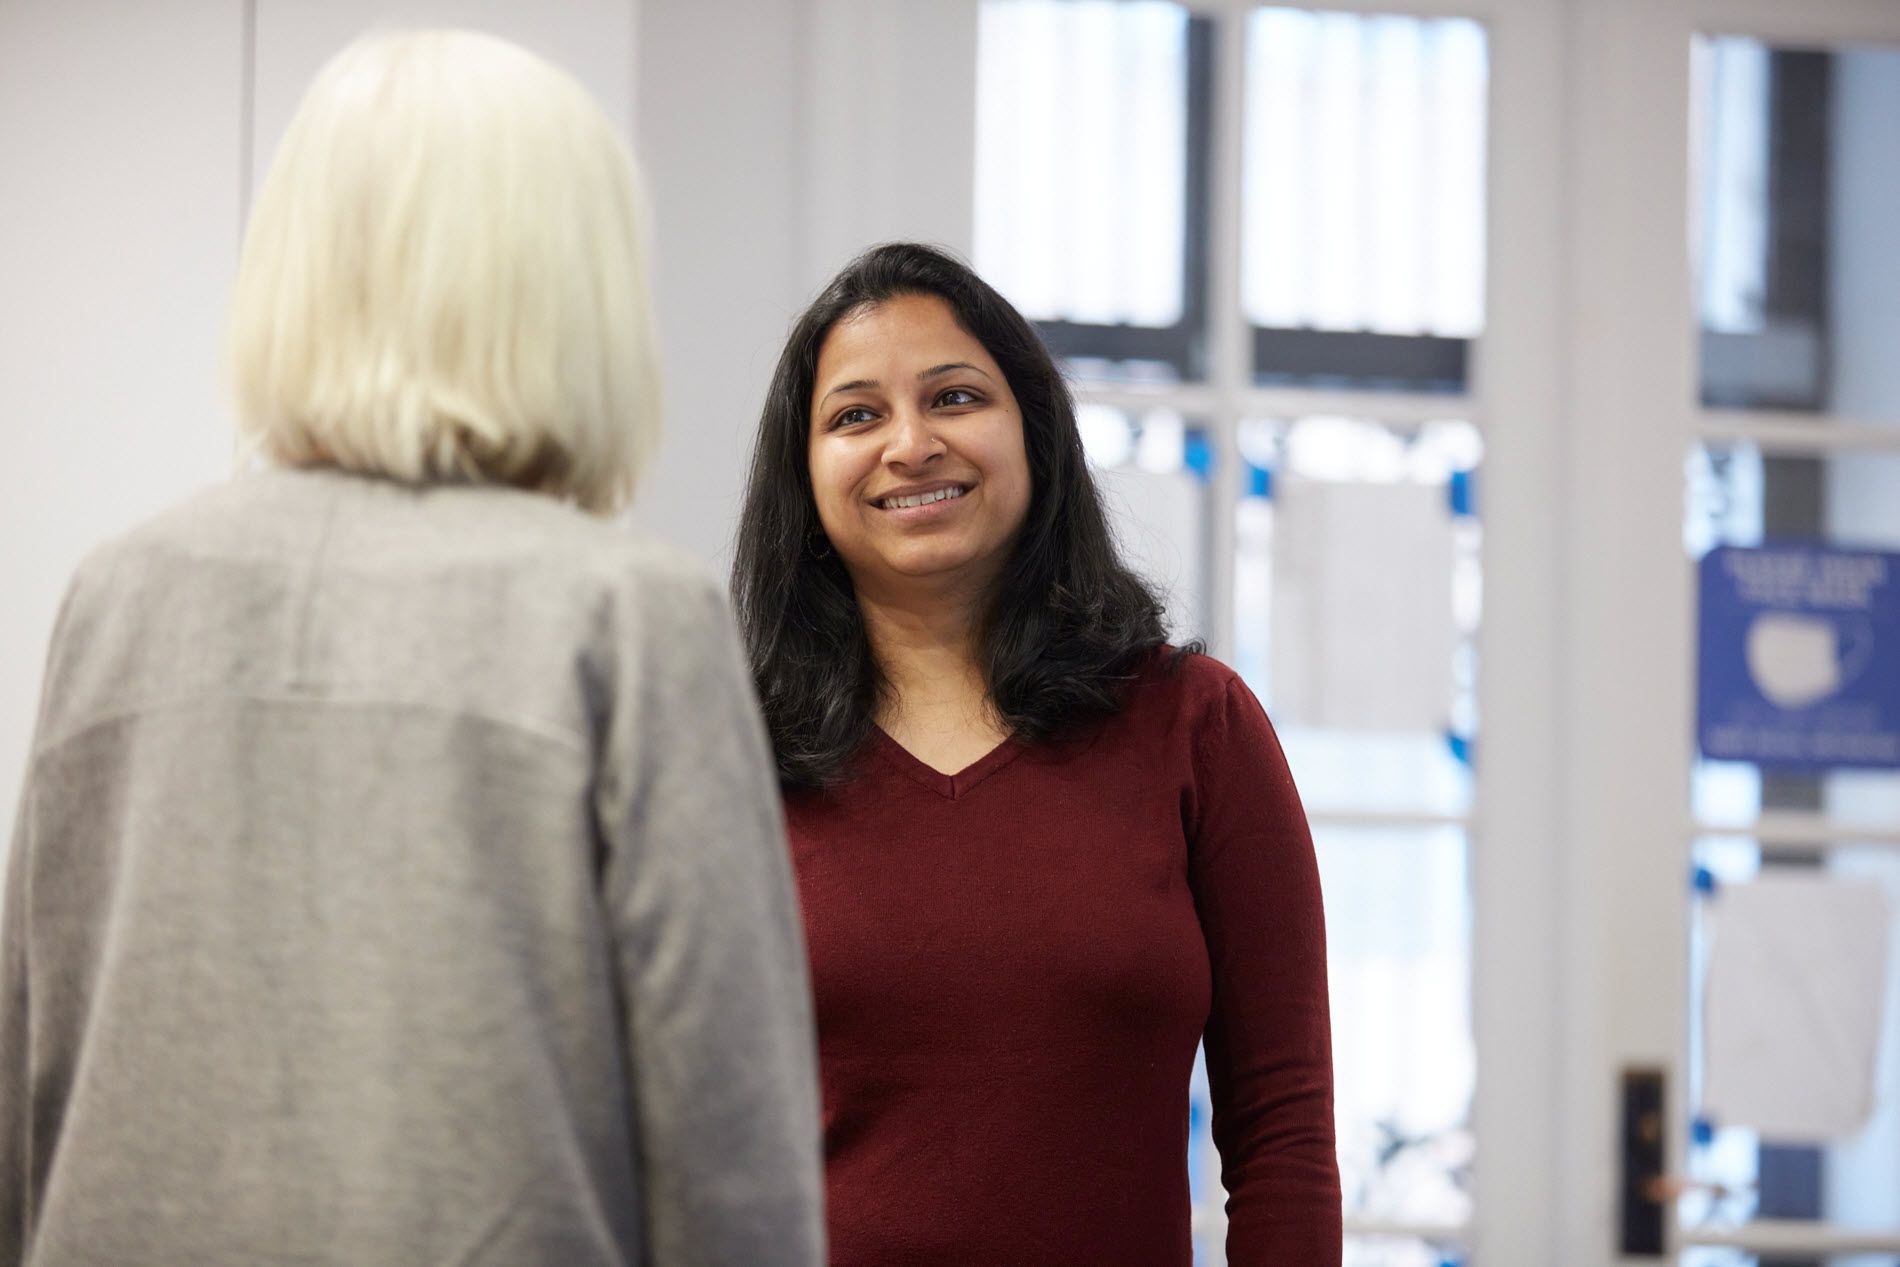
x: 1398, y: 914
x: 1154, y: 471
x: 1082, y: 158
x: 1357, y: 597
x: 1396, y: 1251
x: 1364, y: 173
x: 1850, y: 1181
x: 1798, y: 281
x: 1739, y: 1258
x: 1737, y: 496
x: 1733, y: 83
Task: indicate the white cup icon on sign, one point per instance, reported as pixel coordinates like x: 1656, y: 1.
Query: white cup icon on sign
x: 1799, y: 659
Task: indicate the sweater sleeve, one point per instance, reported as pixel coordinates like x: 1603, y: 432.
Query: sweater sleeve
x: 15, y: 1112
x: 16, y: 1089
x: 697, y: 878
x: 1268, y: 1039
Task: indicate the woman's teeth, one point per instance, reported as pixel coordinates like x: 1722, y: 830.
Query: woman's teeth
x: 920, y: 499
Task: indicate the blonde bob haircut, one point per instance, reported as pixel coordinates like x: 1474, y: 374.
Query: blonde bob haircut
x: 445, y: 278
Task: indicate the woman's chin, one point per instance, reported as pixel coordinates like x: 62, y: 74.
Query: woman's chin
x: 928, y: 566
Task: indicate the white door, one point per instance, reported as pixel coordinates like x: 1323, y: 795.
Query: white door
x: 1737, y: 310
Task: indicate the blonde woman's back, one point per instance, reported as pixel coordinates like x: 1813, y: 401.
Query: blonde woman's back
x: 399, y: 879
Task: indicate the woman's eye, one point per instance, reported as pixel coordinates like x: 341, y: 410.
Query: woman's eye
x: 959, y: 396
x: 852, y: 416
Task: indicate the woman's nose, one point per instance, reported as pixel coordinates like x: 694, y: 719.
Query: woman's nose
x: 913, y: 440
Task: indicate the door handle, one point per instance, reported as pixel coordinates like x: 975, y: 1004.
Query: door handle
x: 1643, y: 1159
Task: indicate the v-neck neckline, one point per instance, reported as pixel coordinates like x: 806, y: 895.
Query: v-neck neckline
x: 949, y: 786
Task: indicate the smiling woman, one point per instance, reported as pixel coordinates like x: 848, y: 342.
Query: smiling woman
x: 908, y: 374
x: 1041, y: 855
x: 917, y: 462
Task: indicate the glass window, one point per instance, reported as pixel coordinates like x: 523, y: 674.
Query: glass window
x: 1398, y: 914
x: 1352, y: 565
x: 1154, y: 471
x: 1363, y: 236
x: 1090, y: 178
x: 1848, y: 1182
x: 1357, y: 595
x: 1798, y: 282
x: 1739, y: 1258
x: 1740, y: 496
x: 1400, y: 1251
x: 1398, y: 917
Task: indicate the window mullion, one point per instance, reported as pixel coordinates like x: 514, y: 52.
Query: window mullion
x: 1229, y: 335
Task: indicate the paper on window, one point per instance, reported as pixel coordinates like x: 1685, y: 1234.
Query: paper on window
x: 1362, y: 620
x: 1797, y: 969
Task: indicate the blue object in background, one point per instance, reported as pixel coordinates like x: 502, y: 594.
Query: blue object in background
x: 1462, y: 492
x: 1198, y: 455
x: 1799, y: 657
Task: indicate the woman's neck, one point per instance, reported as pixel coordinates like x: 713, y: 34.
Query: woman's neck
x: 927, y: 647
x: 936, y: 704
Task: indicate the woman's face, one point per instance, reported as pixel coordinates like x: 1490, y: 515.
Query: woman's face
x: 916, y: 449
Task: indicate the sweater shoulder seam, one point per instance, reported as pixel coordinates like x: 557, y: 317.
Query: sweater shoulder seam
x: 533, y: 727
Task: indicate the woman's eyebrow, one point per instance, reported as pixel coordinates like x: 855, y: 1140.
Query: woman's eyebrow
x: 924, y: 376
x: 855, y: 385
x: 937, y: 371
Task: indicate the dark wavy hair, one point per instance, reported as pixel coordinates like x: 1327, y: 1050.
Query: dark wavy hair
x: 1067, y: 623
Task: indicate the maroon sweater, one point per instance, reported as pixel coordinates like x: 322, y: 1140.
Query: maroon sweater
x: 1013, y: 965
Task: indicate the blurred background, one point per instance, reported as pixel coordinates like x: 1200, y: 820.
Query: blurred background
x: 1435, y: 355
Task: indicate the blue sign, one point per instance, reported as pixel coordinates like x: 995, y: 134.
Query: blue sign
x: 1799, y: 661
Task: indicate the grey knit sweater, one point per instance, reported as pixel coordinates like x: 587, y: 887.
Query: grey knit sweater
x: 399, y: 879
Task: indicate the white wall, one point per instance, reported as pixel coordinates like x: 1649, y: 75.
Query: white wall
x: 781, y: 138
x: 721, y: 125
x: 892, y: 91
x: 119, y: 155
x: 591, y: 39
